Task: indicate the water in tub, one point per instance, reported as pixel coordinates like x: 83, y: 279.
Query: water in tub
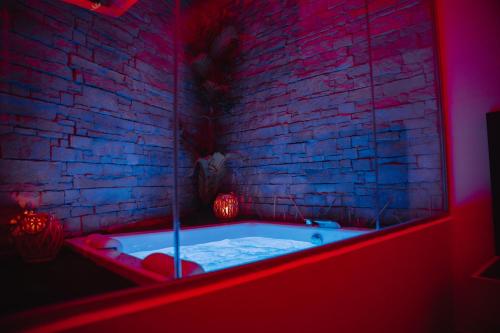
x: 232, y: 252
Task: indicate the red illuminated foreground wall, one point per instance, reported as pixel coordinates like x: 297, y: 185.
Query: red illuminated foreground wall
x: 396, y: 283
x: 470, y: 71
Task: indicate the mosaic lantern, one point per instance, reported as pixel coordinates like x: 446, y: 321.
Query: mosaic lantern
x: 37, y: 236
x: 226, y: 206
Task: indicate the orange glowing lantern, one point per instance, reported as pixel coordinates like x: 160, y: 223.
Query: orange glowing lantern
x: 33, y: 223
x: 38, y: 236
x: 226, y: 206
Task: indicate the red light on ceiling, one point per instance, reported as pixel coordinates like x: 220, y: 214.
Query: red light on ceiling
x: 113, y: 8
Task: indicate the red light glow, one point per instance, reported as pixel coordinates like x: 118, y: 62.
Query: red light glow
x: 116, y: 9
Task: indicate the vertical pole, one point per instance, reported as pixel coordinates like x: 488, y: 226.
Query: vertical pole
x: 374, y: 119
x: 175, y: 197
x: 445, y: 201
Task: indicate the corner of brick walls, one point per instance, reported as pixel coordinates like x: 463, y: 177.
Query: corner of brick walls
x: 86, y: 102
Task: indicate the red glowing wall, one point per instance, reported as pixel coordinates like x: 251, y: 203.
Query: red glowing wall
x: 470, y: 70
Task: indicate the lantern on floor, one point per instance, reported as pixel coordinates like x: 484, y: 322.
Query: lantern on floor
x: 38, y: 236
x: 226, y: 206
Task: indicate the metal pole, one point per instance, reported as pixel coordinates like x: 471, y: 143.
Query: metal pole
x: 374, y: 118
x: 175, y: 197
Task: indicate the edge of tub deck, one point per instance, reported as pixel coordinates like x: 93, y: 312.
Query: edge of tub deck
x: 92, y: 309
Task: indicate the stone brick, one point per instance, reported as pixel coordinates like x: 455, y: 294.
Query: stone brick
x: 410, y: 111
x: 417, y: 56
x: 60, y: 212
x: 429, y: 161
x: 86, y: 181
x: 347, y: 108
x: 25, y: 147
x: 71, y: 196
x: 65, y: 154
x: 98, y: 196
x: 80, y: 142
x: 404, y: 86
x: 72, y: 226
x: 90, y: 223
x: 81, y: 211
x: 393, y: 174
x: 360, y: 141
x: 29, y: 172
x: 25, y: 45
x: 343, y: 143
x: 107, y: 208
x: 97, y: 98
x: 424, y: 175
x: 51, y: 198
x: 362, y: 165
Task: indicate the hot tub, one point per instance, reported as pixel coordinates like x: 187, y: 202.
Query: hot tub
x: 211, y: 247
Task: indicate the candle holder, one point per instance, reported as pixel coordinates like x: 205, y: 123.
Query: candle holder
x: 226, y: 206
x: 38, y: 236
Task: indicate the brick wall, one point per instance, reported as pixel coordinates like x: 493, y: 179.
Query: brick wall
x: 86, y: 109
x: 86, y: 102
x: 336, y: 103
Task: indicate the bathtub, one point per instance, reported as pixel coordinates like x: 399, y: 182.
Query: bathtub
x: 124, y: 253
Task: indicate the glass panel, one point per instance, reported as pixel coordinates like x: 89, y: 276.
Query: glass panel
x: 86, y: 137
x: 303, y: 127
x: 305, y: 111
x: 407, y: 112
x: 301, y: 123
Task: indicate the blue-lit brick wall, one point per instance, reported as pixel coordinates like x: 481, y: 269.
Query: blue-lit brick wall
x: 86, y: 101
x: 86, y: 110
x: 305, y: 124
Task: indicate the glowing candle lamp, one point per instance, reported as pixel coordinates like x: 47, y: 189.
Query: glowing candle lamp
x: 226, y: 206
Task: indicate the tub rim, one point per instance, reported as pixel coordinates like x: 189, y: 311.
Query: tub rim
x: 120, y: 262
x: 83, y: 311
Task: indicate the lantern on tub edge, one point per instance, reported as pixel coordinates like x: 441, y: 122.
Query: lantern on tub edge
x: 37, y: 236
x: 226, y: 206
